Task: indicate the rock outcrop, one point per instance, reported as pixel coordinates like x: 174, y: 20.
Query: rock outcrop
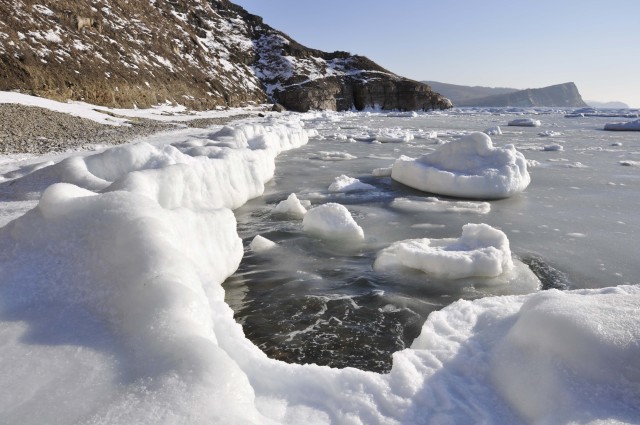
x: 199, y: 53
x: 459, y: 94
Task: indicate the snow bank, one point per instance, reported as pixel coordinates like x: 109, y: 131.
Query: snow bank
x: 348, y: 184
x: 524, y: 122
x: 291, y: 207
x: 332, y: 221
x: 623, y: 126
x: 481, y: 251
x: 470, y: 167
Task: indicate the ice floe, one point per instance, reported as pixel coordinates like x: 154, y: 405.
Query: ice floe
x: 524, y: 122
x: 349, y: 184
x: 291, y: 206
x: 623, y: 126
x: 470, y: 167
x: 332, y: 221
x: 481, y: 251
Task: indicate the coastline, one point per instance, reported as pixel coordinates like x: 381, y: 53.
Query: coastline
x: 37, y: 130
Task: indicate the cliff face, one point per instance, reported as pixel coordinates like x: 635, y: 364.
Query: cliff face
x: 199, y: 53
x: 560, y: 95
x: 459, y: 94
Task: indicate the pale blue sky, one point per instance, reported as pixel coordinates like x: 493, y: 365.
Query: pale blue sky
x: 595, y: 44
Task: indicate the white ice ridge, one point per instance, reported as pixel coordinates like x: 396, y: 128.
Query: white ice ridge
x: 481, y: 251
x: 470, y: 167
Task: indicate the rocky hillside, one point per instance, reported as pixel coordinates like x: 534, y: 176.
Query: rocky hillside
x: 200, y: 53
x: 560, y: 95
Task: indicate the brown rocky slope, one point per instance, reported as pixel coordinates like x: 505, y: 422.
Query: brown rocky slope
x: 199, y: 53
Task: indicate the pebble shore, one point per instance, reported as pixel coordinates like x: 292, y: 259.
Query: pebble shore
x: 29, y: 129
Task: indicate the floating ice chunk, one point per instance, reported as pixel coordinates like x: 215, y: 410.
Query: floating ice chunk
x: 436, y: 205
x: 481, y: 251
x: 382, y: 172
x: 553, y: 147
x: 332, y: 221
x: 629, y: 163
x: 616, y: 144
x: 291, y: 206
x: 261, y: 244
x: 623, y: 126
x: 348, y: 184
x: 333, y: 156
x: 493, y: 131
x: 394, y: 137
x: 524, y: 122
x: 549, y: 133
x: 470, y: 167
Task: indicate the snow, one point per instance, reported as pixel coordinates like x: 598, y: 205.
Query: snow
x: 524, y: 122
x: 115, y: 276
x: 332, y: 221
x: 291, y: 207
x: 345, y: 183
x: 623, y: 126
x: 493, y: 131
x: 470, y: 167
x: 481, y: 251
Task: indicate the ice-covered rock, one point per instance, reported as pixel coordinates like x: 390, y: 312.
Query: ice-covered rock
x: 261, y: 244
x: 291, y: 206
x: 481, y: 251
x: 525, y: 122
x: 332, y: 221
x: 623, y: 126
x: 470, y: 167
x: 345, y: 183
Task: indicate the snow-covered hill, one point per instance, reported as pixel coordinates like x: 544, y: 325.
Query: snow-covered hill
x: 197, y: 53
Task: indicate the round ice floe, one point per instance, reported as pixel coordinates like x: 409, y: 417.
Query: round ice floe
x: 553, y: 147
x: 623, y: 126
x: 332, y: 221
x: 470, y: 167
x: 261, y: 244
x: 525, y: 122
x: 481, y: 251
x: 348, y: 184
x: 291, y: 206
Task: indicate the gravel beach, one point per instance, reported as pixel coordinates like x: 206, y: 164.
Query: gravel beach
x: 30, y: 129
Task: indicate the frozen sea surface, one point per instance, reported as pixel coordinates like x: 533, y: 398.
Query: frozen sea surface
x: 314, y: 301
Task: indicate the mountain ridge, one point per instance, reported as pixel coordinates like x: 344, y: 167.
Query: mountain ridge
x: 199, y: 53
x: 558, y: 95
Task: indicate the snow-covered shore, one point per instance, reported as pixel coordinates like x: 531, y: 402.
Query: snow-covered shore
x: 115, y: 276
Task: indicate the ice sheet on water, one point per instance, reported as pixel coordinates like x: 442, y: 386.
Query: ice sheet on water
x: 470, y: 167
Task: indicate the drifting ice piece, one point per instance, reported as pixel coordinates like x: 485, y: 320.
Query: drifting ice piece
x: 623, y: 126
x: 481, y: 251
x: 525, y: 122
x: 470, y: 167
x: 348, y: 184
x: 332, y: 221
x: 291, y: 206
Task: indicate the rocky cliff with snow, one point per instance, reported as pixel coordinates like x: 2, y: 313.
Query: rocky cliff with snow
x: 199, y: 53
